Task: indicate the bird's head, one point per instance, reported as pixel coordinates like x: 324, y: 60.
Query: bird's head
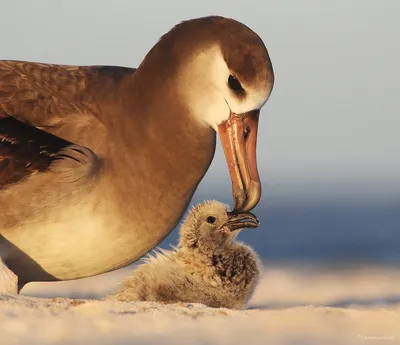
x: 210, y: 225
x: 222, y: 71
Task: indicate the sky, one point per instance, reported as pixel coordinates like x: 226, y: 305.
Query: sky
x: 331, y: 127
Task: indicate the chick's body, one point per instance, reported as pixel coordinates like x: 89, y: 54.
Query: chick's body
x: 207, y: 267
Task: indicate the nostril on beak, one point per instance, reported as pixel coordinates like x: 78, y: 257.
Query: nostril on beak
x: 246, y: 132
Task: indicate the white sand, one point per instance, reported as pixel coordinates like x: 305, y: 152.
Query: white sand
x: 290, y: 306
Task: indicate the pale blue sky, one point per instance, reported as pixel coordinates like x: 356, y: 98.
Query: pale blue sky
x: 332, y: 125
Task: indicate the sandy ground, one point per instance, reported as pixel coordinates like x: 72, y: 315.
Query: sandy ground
x: 302, y: 305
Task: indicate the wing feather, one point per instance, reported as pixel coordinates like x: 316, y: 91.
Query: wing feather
x: 35, y: 100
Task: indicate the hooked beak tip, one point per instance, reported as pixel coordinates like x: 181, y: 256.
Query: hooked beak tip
x: 253, y: 196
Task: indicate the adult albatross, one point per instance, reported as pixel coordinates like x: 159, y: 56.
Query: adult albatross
x: 98, y: 163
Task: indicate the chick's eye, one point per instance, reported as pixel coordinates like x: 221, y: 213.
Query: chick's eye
x: 211, y: 219
x: 234, y: 84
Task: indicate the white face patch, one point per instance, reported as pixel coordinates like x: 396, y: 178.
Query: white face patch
x: 204, y: 83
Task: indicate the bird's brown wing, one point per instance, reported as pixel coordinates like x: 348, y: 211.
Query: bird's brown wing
x: 35, y: 100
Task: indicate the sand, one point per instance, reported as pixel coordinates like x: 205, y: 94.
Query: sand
x: 302, y: 305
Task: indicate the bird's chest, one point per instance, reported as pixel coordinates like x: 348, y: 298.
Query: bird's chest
x: 79, y: 244
x: 202, y: 271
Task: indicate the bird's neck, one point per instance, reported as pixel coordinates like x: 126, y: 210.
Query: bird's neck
x: 158, y: 155
x: 165, y: 121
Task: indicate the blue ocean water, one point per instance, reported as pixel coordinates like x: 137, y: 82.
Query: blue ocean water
x: 324, y: 232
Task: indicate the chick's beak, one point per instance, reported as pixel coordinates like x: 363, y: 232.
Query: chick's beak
x: 243, y: 220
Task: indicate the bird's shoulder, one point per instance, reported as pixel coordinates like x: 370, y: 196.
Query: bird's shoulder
x: 44, y: 94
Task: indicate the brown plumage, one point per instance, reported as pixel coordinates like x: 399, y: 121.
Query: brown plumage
x: 208, y: 266
x: 45, y: 99
x: 91, y: 155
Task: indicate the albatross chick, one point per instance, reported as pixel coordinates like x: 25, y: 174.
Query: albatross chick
x: 207, y: 267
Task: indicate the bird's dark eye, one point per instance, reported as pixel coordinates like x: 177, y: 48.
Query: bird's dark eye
x: 234, y: 84
x: 211, y: 220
